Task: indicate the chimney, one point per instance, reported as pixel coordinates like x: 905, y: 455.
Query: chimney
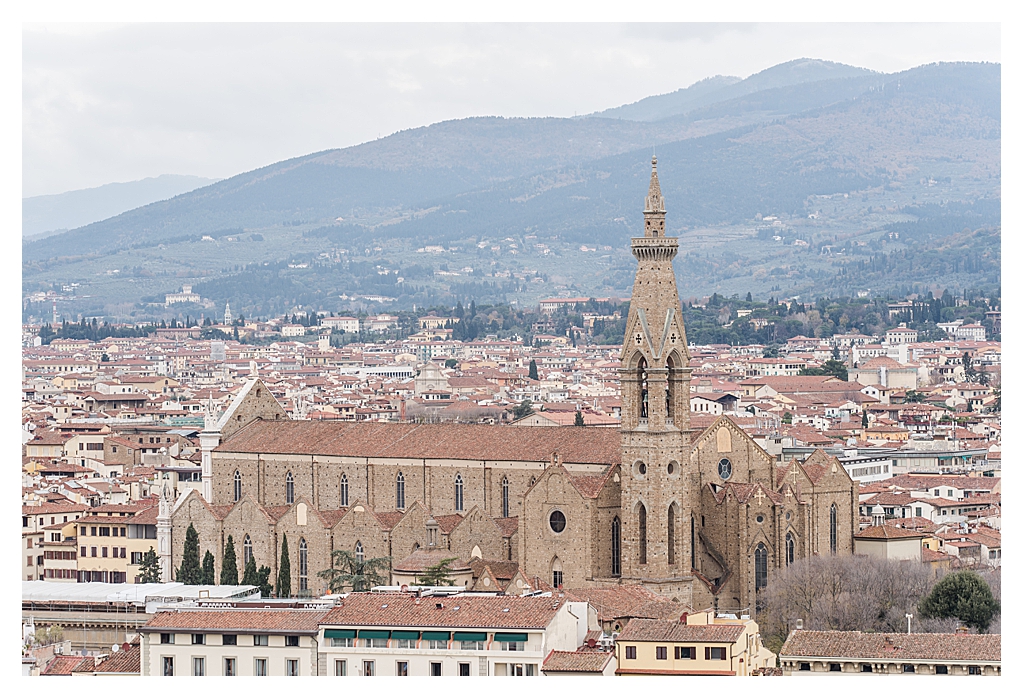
x: 799, y: 623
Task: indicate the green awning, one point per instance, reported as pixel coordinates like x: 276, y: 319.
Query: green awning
x: 404, y: 635
x: 471, y: 637
x: 375, y: 634
x: 338, y: 633
x: 436, y: 635
x: 510, y: 637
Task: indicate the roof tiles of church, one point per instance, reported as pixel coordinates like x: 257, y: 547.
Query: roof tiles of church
x: 509, y: 525
x: 404, y: 610
x: 442, y: 441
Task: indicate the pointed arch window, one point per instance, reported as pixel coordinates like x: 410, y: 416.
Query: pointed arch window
x: 642, y: 534
x: 289, y: 489
x: 246, y: 550
x: 360, y: 555
x: 399, y: 491
x: 616, y: 547
x: 557, y: 574
x: 672, y: 512
x: 237, y: 485
x: 303, y: 565
x: 459, y: 493
x: 505, y: 487
x: 790, y: 549
x: 668, y: 412
x: 644, y: 395
x: 344, y: 489
x: 834, y: 529
x: 760, y: 566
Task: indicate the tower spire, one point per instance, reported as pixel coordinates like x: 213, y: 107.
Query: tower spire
x: 654, y: 200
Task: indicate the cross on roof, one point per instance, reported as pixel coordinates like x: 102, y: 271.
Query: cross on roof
x: 759, y: 496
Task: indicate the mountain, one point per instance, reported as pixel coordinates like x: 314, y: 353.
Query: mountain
x: 58, y: 212
x: 791, y: 188
x: 724, y: 88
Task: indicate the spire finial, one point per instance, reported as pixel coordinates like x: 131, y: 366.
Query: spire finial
x: 654, y: 200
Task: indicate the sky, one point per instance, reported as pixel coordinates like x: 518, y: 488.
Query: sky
x: 119, y: 102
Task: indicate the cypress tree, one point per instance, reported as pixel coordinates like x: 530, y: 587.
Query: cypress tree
x: 579, y: 422
x: 284, y: 571
x: 533, y: 375
x: 265, y: 588
x: 190, y: 572
x: 208, y: 575
x: 229, y: 567
x: 251, y: 576
x: 149, y: 572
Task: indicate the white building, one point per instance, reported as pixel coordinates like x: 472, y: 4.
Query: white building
x: 345, y: 324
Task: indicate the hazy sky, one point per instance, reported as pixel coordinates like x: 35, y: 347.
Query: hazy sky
x: 114, y: 103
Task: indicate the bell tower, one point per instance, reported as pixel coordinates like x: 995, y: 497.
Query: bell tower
x: 656, y: 504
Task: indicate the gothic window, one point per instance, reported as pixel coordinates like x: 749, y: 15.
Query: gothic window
x: 834, y: 529
x: 668, y: 412
x: 459, y: 493
x: 303, y: 565
x: 504, y: 497
x: 790, y: 549
x: 642, y: 534
x: 247, y: 550
x: 644, y: 396
x: 344, y: 489
x: 724, y: 468
x: 672, y: 510
x: 360, y: 556
x: 289, y: 489
x: 616, y: 547
x: 760, y: 566
x: 399, y: 492
x: 557, y: 575
x: 237, y: 485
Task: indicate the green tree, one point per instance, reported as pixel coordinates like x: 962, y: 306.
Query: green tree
x: 864, y: 423
x: 348, y: 571
x: 831, y: 367
x: 533, y: 374
x: 579, y: 422
x: 786, y: 418
x: 284, y: 571
x: 208, y: 574
x: 229, y: 567
x: 251, y: 575
x: 451, y: 363
x: 914, y: 396
x: 149, y: 571
x: 523, y: 409
x: 962, y: 595
x: 437, y: 575
x: 190, y: 572
x: 265, y: 588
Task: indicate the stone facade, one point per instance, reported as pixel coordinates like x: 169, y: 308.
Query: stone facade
x: 703, y: 517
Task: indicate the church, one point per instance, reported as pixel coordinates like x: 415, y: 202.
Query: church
x: 702, y: 517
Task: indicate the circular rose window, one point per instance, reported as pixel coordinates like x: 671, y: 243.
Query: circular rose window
x: 557, y: 521
x: 760, y: 518
x: 725, y: 468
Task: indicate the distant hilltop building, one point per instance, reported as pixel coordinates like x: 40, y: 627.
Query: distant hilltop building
x: 186, y: 296
x: 228, y: 318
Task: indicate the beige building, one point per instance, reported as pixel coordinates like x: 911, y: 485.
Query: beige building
x: 890, y: 543
x: 841, y: 652
x: 701, y: 644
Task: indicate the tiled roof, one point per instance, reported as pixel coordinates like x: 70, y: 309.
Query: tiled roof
x: 123, y: 662
x: 64, y: 664
x: 594, y: 662
x: 508, y: 525
x: 885, y: 532
x: 626, y: 601
x: 290, y: 620
x: 404, y: 610
x: 447, y: 522
x: 501, y: 569
x: 449, y: 441
x: 893, y: 646
x: 641, y: 629
x: 53, y: 508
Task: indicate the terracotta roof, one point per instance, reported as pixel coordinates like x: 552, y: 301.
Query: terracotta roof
x: 388, y: 519
x: 593, y: 662
x: 509, y: 525
x: 893, y: 646
x: 502, y: 570
x: 641, y: 629
x: 53, y: 508
x: 64, y: 664
x: 626, y: 601
x: 447, y: 522
x: 289, y: 620
x: 404, y: 610
x: 449, y: 441
x: 886, y: 532
x: 123, y: 662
